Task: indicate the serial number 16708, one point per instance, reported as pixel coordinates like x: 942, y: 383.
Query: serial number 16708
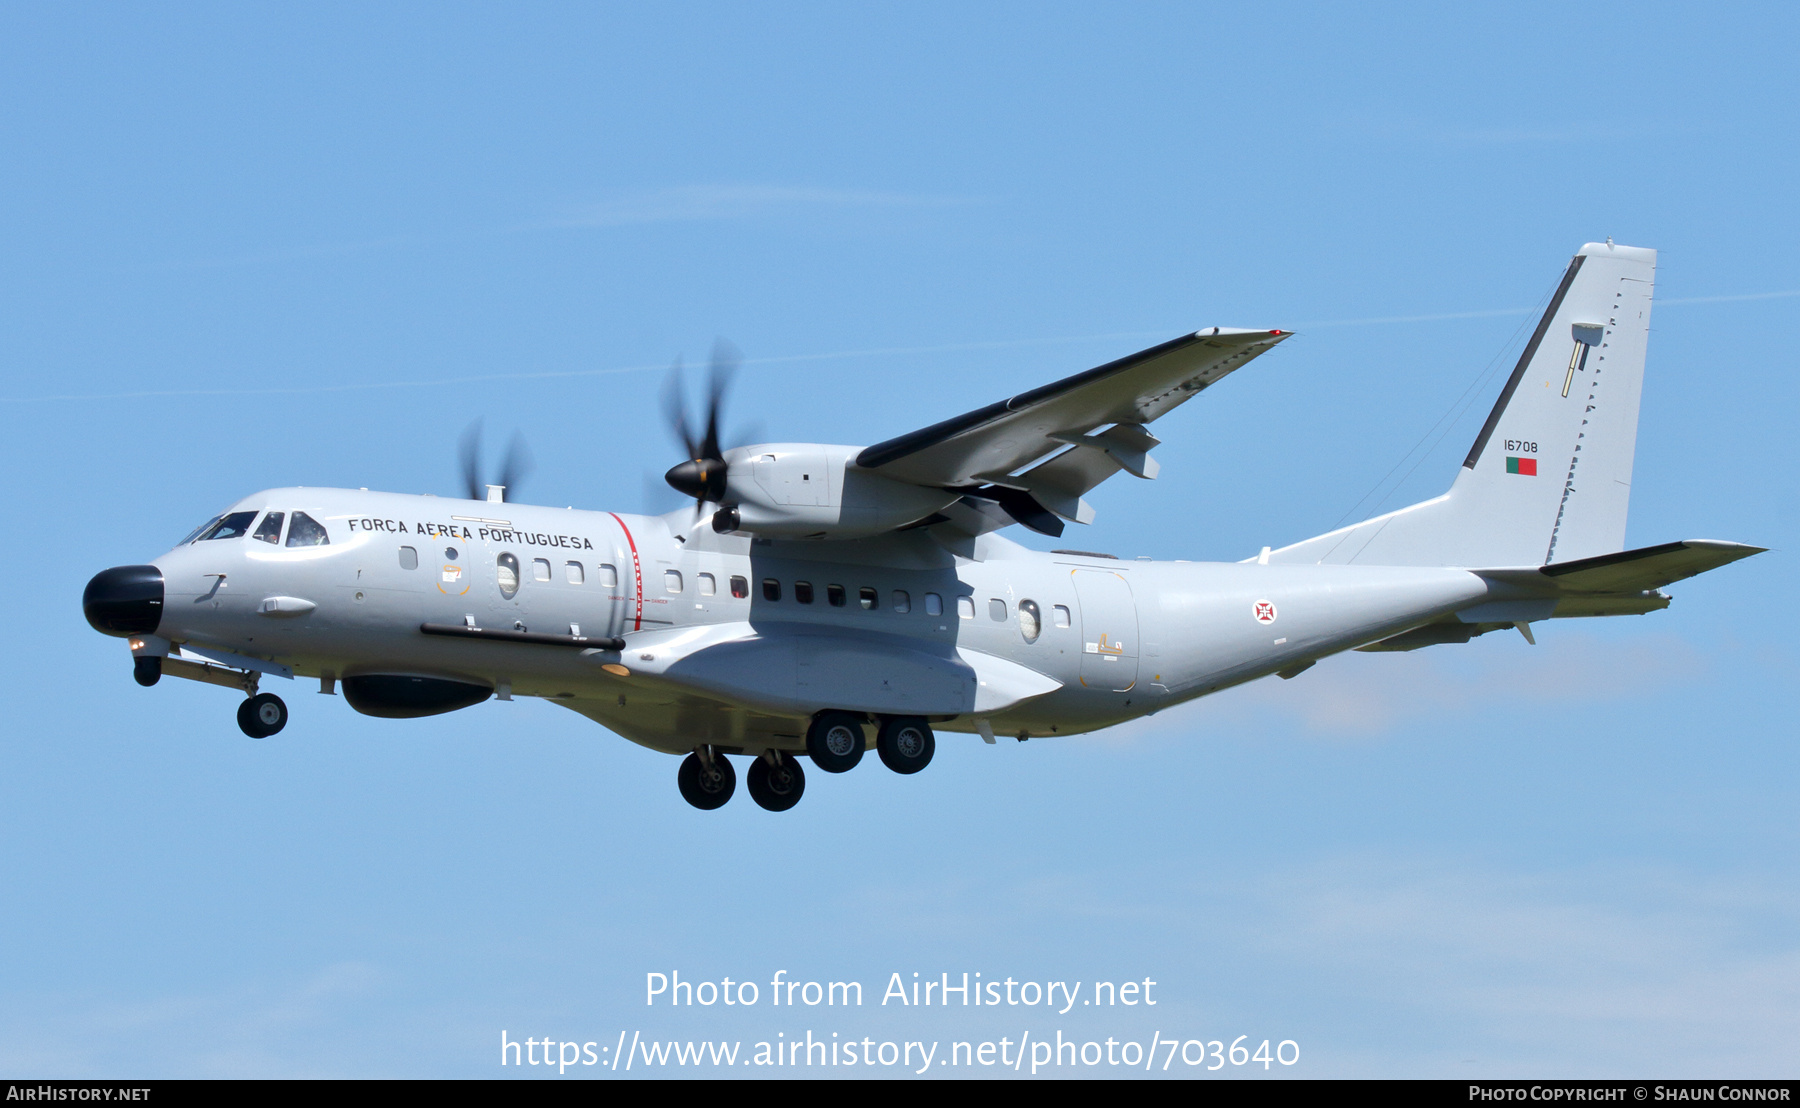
x: 1515, y: 446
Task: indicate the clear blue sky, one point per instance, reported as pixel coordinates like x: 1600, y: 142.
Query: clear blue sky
x: 251, y: 246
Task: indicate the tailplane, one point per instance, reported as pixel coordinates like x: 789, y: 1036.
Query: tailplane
x: 1549, y: 477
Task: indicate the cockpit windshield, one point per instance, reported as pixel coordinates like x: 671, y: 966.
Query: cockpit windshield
x: 195, y: 533
x: 232, y: 525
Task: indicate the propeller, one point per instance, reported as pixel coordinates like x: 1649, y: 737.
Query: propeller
x: 702, y: 476
x: 513, y: 467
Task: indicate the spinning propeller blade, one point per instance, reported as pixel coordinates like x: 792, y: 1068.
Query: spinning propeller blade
x: 702, y: 476
x: 513, y: 468
x: 468, y: 452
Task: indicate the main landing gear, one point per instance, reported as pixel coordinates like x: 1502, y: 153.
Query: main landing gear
x: 262, y: 715
x: 835, y: 743
x: 905, y: 744
x: 706, y: 779
x: 776, y: 781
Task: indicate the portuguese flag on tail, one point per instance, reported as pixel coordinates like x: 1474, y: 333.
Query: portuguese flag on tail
x: 1525, y: 466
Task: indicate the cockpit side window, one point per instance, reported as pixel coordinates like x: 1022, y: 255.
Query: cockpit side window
x: 233, y: 525
x: 307, y: 531
x: 269, y: 530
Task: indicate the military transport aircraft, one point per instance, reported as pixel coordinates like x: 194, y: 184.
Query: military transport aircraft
x: 822, y: 600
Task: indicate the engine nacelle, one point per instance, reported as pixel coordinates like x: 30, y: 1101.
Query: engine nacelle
x: 808, y: 491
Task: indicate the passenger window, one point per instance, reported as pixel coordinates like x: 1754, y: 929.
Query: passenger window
x: 230, y: 527
x: 1031, y: 623
x: 868, y: 598
x: 708, y: 584
x: 304, y: 530
x: 834, y: 595
x: 540, y: 569
x: 609, y: 576
x: 574, y: 573
x: 506, y: 573
x: 965, y: 607
x: 672, y: 580
x: 771, y: 589
x: 409, y: 558
x: 269, y: 530
x: 1060, y: 615
x: 803, y: 591
x: 934, y: 604
x: 997, y: 610
x: 902, y: 602
x: 740, y: 588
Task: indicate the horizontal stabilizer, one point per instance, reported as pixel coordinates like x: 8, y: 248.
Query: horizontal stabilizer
x: 1622, y: 584
x: 1628, y: 571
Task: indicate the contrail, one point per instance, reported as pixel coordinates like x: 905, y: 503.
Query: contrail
x: 872, y: 352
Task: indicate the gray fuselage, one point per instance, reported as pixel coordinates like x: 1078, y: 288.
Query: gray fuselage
x: 1113, y: 639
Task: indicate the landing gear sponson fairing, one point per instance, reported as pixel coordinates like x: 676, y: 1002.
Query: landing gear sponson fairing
x: 826, y: 599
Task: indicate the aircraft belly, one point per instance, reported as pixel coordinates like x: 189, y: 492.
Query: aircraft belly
x: 875, y: 677
x: 799, y: 670
x: 678, y: 724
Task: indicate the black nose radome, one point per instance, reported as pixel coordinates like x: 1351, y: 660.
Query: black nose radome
x: 124, y: 600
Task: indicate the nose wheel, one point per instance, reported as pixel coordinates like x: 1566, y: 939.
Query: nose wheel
x: 262, y: 715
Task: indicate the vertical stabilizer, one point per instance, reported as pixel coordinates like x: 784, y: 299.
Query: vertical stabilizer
x: 1549, y: 477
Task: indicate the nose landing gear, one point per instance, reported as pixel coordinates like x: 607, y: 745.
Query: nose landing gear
x: 262, y: 715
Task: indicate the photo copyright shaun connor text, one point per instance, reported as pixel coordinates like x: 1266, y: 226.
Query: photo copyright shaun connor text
x: 795, y: 1003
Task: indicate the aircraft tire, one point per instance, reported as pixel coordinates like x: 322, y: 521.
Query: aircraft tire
x: 703, y: 790
x: 776, y: 788
x: 905, y: 744
x: 835, y: 741
x: 262, y: 715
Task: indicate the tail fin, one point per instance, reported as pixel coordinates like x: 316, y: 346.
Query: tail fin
x: 1549, y: 477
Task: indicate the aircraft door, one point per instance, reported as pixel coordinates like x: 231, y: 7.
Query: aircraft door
x: 1109, y: 630
x: 618, y: 575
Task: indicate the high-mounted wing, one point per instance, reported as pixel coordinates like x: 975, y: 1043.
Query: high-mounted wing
x: 1096, y: 419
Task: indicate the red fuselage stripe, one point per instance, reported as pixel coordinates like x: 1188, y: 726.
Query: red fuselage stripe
x: 637, y: 573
